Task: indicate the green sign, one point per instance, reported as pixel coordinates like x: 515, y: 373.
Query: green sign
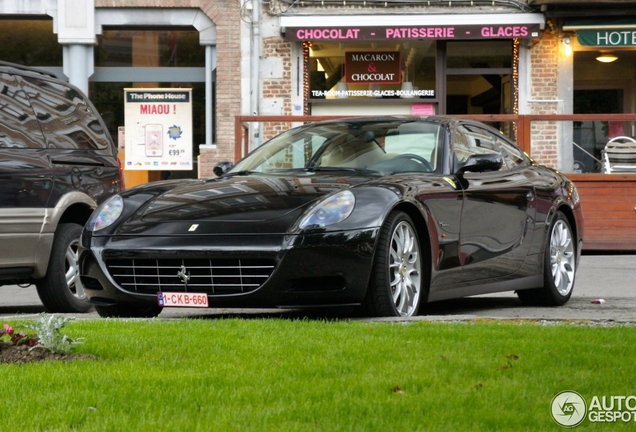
x: 607, y: 37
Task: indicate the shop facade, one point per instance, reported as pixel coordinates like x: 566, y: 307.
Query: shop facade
x: 413, y: 64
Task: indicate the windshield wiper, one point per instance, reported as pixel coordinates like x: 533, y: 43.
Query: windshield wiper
x: 334, y: 169
x: 238, y: 173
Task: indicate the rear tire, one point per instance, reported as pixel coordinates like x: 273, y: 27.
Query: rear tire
x: 61, y: 290
x: 559, y: 267
x: 128, y: 311
x: 395, y: 288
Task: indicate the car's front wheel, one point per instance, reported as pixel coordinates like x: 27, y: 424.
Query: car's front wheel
x: 395, y: 288
x: 559, y: 266
x: 129, y: 311
x: 61, y: 290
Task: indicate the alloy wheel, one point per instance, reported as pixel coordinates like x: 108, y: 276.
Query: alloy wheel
x: 72, y: 274
x: 562, y: 257
x: 405, y: 269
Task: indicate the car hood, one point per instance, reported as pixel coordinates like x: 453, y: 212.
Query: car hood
x: 239, y: 204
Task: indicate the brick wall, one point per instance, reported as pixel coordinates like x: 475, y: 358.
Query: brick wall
x: 544, y: 74
x: 277, y: 88
x: 225, y: 14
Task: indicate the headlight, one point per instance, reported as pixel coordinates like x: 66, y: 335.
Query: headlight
x: 331, y: 210
x: 106, y: 214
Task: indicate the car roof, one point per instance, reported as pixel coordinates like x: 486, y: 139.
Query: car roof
x: 14, y: 67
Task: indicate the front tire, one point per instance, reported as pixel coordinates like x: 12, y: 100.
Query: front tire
x: 129, y: 311
x: 61, y: 290
x: 559, y: 266
x: 395, y: 288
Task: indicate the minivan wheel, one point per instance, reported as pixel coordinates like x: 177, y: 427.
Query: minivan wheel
x: 61, y: 290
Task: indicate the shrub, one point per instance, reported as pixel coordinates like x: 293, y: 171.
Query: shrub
x: 49, y: 336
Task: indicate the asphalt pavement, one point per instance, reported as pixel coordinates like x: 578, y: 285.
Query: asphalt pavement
x: 605, y: 292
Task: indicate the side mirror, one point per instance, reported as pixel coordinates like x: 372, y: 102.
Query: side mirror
x: 221, y: 168
x: 481, y: 163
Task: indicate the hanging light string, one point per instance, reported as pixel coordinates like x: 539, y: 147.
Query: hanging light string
x: 306, y: 47
x: 515, y: 81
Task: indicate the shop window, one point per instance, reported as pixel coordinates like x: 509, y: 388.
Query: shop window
x: 478, y: 77
x: 382, y: 70
x: 30, y: 43
x: 165, y: 48
x: 477, y: 94
x: 108, y: 98
x: 150, y: 48
x: 479, y: 54
x: 601, y: 88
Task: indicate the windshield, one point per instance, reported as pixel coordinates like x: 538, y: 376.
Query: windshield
x: 381, y: 146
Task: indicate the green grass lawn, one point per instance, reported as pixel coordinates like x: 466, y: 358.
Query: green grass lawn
x: 299, y: 375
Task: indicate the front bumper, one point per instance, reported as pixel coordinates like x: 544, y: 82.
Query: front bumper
x: 234, y: 271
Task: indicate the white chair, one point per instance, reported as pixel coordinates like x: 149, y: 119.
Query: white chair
x: 619, y: 155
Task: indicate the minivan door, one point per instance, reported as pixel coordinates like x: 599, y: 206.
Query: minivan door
x: 26, y: 179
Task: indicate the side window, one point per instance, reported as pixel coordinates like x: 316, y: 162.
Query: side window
x: 421, y: 144
x: 67, y: 121
x: 18, y: 125
x: 461, y: 147
x: 512, y: 156
x: 417, y: 138
x: 471, y: 140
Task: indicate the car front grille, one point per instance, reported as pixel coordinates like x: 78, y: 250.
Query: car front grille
x: 212, y: 276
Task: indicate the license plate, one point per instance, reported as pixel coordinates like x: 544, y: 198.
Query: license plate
x: 193, y: 300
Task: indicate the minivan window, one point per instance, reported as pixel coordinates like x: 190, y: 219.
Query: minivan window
x: 67, y: 120
x: 18, y: 126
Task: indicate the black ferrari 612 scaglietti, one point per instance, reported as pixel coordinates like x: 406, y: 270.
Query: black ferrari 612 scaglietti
x: 384, y: 213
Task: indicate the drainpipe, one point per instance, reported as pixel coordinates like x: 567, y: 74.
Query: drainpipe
x: 255, y: 128
x: 210, y: 66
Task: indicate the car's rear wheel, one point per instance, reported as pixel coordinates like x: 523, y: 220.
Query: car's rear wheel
x: 395, y: 288
x: 559, y: 266
x: 128, y: 311
x: 61, y: 290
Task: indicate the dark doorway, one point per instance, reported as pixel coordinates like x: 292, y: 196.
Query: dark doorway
x: 590, y: 137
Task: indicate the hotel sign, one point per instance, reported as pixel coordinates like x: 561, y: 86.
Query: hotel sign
x: 607, y: 38
x: 376, y: 67
x: 344, y: 34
